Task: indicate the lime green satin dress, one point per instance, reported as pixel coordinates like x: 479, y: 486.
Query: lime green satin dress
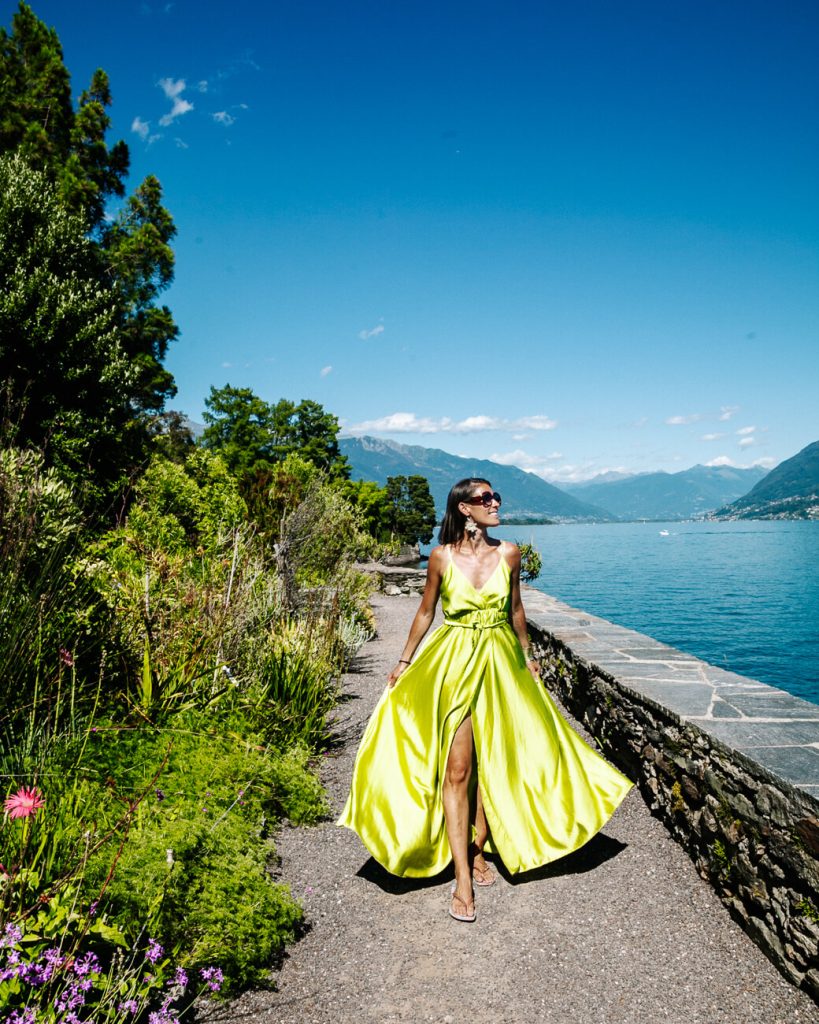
x: 545, y: 791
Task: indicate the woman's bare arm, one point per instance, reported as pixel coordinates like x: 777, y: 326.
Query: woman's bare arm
x: 517, y: 615
x: 424, y: 615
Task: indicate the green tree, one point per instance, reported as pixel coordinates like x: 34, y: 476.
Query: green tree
x: 240, y: 426
x: 139, y: 261
x: 314, y: 435
x: 133, y: 256
x: 373, y: 506
x: 412, y: 509
x: 253, y: 436
x: 66, y: 379
x: 37, y: 117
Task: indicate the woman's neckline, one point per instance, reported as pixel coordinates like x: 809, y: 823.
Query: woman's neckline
x: 495, y: 568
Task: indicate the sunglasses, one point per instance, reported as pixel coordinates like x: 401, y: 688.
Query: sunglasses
x: 484, y: 499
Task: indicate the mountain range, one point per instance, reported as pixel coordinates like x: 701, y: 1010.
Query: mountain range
x: 685, y: 495
x: 525, y: 496
x: 790, y: 491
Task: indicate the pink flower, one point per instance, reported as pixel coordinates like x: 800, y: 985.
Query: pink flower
x: 24, y: 802
x: 66, y: 657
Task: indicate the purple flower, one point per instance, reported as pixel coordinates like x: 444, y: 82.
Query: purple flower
x: 181, y: 977
x: 86, y: 965
x: 213, y: 977
x: 163, y: 1015
x: 33, y: 974
x: 27, y: 1016
x: 154, y: 951
x: 129, y: 1006
x: 160, y: 795
x: 53, y: 957
x: 11, y: 936
x: 93, y: 908
x: 69, y: 999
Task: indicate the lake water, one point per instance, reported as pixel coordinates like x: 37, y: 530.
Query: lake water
x: 744, y: 596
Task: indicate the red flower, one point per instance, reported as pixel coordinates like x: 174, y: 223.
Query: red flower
x: 24, y: 803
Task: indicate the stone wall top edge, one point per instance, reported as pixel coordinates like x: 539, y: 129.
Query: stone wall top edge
x: 792, y: 765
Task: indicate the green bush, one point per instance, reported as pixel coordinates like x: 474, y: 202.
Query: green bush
x: 194, y: 871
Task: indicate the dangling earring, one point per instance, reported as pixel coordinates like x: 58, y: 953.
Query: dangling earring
x: 470, y: 527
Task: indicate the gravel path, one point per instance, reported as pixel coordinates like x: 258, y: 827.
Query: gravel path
x: 622, y: 931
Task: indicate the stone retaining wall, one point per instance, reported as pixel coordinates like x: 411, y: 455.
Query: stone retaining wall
x: 730, y: 765
x: 395, y: 579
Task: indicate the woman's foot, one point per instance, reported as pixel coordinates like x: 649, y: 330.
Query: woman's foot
x: 462, y: 908
x: 482, y: 874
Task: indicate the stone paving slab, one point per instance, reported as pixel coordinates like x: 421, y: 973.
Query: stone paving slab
x: 774, y: 728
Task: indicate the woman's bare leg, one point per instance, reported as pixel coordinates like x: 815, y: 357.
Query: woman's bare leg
x: 484, y: 875
x: 455, y: 794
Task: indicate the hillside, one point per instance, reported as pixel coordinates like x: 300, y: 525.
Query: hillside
x: 790, y: 491
x: 684, y: 495
x: 525, y: 496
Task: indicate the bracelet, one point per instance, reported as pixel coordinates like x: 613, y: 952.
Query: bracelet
x: 402, y: 662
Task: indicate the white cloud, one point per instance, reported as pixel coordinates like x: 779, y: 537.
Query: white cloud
x: 141, y: 128
x: 402, y: 423
x: 722, y: 460
x: 409, y: 423
x: 744, y: 431
x: 766, y: 463
x: 519, y: 458
x: 536, y: 423
x: 727, y: 411
x: 326, y: 370
x: 474, y: 424
x: 173, y: 90
x: 203, y: 85
x: 711, y: 437
x: 223, y: 117
x: 181, y: 144
x: 374, y: 332
x: 677, y: 421
x: 570, y: 473
x: 747, y: 441
x: 523, y: 460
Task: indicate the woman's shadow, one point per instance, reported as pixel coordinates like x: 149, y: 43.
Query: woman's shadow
x: 592, y: 855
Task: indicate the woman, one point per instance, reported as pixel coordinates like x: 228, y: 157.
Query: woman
x: 472, y: 696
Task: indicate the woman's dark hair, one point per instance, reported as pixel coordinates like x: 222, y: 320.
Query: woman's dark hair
x: 452, y: 525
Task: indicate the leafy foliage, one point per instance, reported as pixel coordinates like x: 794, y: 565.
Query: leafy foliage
x: 37, y: 117
x: 531, y: 562
x: 411, y: 509
x: 253, y: 435
x: 117, y: 274
x: 66, y: 377
x: 195, y: 868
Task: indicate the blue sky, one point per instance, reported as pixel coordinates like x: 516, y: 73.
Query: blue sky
x: 571, y: 237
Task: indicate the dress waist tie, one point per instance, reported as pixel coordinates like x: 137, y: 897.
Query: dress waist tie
x: 488, y: 618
